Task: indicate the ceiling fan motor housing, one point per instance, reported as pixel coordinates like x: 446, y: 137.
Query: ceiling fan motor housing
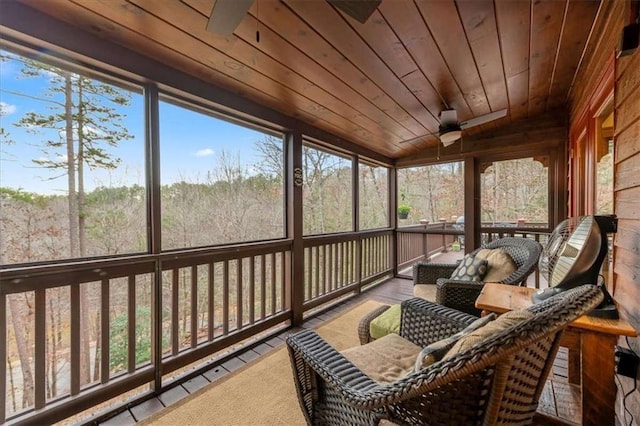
x: 449, y: 133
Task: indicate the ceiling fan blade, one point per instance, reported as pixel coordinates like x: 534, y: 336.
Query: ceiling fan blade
x: 360, y: 10
x: 476, y: 121
x: 226, y: 15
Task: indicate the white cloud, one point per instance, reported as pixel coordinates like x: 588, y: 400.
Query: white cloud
x: 207, y: 152
x: 6, y: 109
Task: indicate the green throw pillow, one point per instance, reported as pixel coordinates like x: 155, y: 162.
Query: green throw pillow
x: 387, y: 322
x: 470, y: 269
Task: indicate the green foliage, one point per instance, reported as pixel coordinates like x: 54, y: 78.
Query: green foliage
x: 404, y: 209
x: 26, y: 197
x: 118, y: 339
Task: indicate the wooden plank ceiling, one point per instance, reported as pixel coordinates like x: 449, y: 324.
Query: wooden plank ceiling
x: 376, y: 84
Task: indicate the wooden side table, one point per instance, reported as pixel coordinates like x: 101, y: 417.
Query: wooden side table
x: 591, y: 343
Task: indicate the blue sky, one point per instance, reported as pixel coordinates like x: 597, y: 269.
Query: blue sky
x: 190, y: 142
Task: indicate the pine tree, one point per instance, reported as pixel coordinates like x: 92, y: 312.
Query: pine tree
x: 79, y: 122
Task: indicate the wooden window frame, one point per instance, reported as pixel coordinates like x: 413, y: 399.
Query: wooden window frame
x: 582, y: 153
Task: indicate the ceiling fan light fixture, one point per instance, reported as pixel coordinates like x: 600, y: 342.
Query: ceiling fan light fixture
x: 450, y: 136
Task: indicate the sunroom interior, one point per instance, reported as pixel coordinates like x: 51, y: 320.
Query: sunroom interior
x: 240, y: 184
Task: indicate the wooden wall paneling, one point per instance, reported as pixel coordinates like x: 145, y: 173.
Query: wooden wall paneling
x: 628, y: 238
x: 448, y: 33
x: 627, y: 77
x: 546, y: 26
x: 627, y: 143
x: 627, y: 174
x: 627, y: 268
x: 627, y: 203
x: 514, y: 25
x: 410, y: 28
x: 326, y: 22
x: 627, y: 289
x: 479, y: 21
x: 600, y: 47
x: 627, y: 112
x: 627, y: 193
x: 189, y: 20
x: 572, y: 42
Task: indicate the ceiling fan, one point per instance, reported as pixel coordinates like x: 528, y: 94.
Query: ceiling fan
x: 227, y: 14
x: 450, y: 129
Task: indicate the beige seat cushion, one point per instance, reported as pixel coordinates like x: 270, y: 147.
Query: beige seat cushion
x: 425, y: 291
x: 503, y: 322
x: 384, y: 360
x: 500, y: 264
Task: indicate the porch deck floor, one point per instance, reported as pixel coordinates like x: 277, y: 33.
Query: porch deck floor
x: 392, y: 291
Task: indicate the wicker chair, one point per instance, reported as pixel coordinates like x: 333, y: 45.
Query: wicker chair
x: 461, y: 295
x: 497, y: 381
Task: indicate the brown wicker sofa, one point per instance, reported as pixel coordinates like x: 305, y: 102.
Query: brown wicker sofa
x: 461, y: 295
x: 496, y: 381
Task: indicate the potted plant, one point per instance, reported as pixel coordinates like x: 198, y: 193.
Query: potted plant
x: 403, y: 211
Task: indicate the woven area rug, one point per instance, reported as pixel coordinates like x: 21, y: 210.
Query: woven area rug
x: 262, y: 392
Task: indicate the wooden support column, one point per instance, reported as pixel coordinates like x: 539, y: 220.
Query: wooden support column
x: 471, y: 203
x: 295, y: 285
x: 393, y: 219
x: 154, y: 218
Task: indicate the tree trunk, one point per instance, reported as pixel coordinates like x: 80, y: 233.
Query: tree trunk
x: 12, y: 386
x: 23, y: 352
x: 80, y: 165
x: 98, y: 354
x: 71, y: 169
x: 52, y: 349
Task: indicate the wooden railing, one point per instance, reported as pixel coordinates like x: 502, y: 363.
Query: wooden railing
x: 108, y: 327
x: 421, y: 242
x: 114, y: 327
x: 338, y: 264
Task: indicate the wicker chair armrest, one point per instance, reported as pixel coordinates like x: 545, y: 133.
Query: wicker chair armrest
x: 365, y: 322
x: 424, y: 322
x: 460, y: 295
x: 428, y: 273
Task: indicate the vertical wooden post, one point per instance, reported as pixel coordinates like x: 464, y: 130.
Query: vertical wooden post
x: 393, y: 222
x: 152, y: 155
x: 355, y: 197
x: 295, y: 285
x: 471, y: 204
